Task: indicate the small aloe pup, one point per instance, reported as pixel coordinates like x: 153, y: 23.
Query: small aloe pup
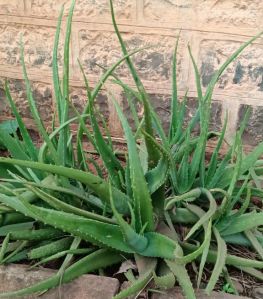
x: 157, y: 210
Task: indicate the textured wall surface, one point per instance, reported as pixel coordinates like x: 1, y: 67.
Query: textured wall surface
x: 213, y: 28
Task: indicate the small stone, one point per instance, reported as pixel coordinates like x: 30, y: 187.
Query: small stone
x: 15, y: 277
x: 258, y: 293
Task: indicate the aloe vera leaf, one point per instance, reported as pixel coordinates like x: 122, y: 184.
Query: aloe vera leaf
x: 13, y: 254
x: 18, y: 257
x: 61, y: 254
x: 247, y: 162
x: 51, y: 185
x: 183, y: 216
x: 180, y: 121
x: 239, y: 239
x: 90, y: 230
x: 13, y: 218
x: 62, y: 206
x: 251, y: 271
x: 44, y: 146
x: 99, y: 85
x: 199, y: 152
x: 242, y: 223
x: 206, y: 243
x: 136, y: 241
x: 220, y: 262
x: 174, y: 100
x: 164, y: 281
x: 153, y: 154
x: 140, y: 283
x: 214, y: 159
x: 142, y: 200
x: 157, y: 176
x: 227, y: 62
x: 250, y: 160
x: 189, y: 196
x: 64, y: 149
x: 98, y: 142
x: 100, y: 259
x: 197, y: 75
x: 159, y: 245
x: 132, y: 107
x: 82, y: 125
x: 35, y: 235
x: 246, y: 202
x: 211, y: 211
x: 55, y: 72
x: 221, y: 171
x: 183, y: 278
x: 6, y: 229
x: 231, y: 260
x: 34, y: 111
x: 26, y: 137
x: 49, y: 249
x: 4, y: 248
x: 255, y: 243
x: 95, y: 231
x: 96, y: 184
x: 155, y: 119
x: 69, y: 257
x: 110, y: 161
x: 12, y: 145
x: 183, y: 171
x: 66, y: 58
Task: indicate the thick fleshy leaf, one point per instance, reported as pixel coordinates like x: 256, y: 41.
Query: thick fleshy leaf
x: 141, y: 194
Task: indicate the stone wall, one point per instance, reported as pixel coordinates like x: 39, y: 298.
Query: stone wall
x: 213, y: 28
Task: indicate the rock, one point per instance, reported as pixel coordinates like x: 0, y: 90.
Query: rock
x: 258, y: 293
x: 177, y: 294
x: 14, y: 277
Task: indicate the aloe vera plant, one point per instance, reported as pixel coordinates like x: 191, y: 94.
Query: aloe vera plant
x: 53, y: 205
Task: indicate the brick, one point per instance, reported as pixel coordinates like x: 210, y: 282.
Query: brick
x: 155, y: 10
x: 170, y: 12
x: 243, y: 77
x: 85, y: 9
x: 244, y: 13
x: 14, y: 277
x: 253, y: 133
x: 153, y: 64
x: 176, y: 293
x: 42, y: 94
x: 8, y: 7
x: 38, y: 43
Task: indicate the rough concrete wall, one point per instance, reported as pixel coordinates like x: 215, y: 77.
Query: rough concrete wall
x: 213, y: 28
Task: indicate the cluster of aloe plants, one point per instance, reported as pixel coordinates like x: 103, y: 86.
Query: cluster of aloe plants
x: 165, y: 208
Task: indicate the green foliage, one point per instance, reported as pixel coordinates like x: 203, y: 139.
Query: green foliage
x: 53, y: 205
x: 8, y: 127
